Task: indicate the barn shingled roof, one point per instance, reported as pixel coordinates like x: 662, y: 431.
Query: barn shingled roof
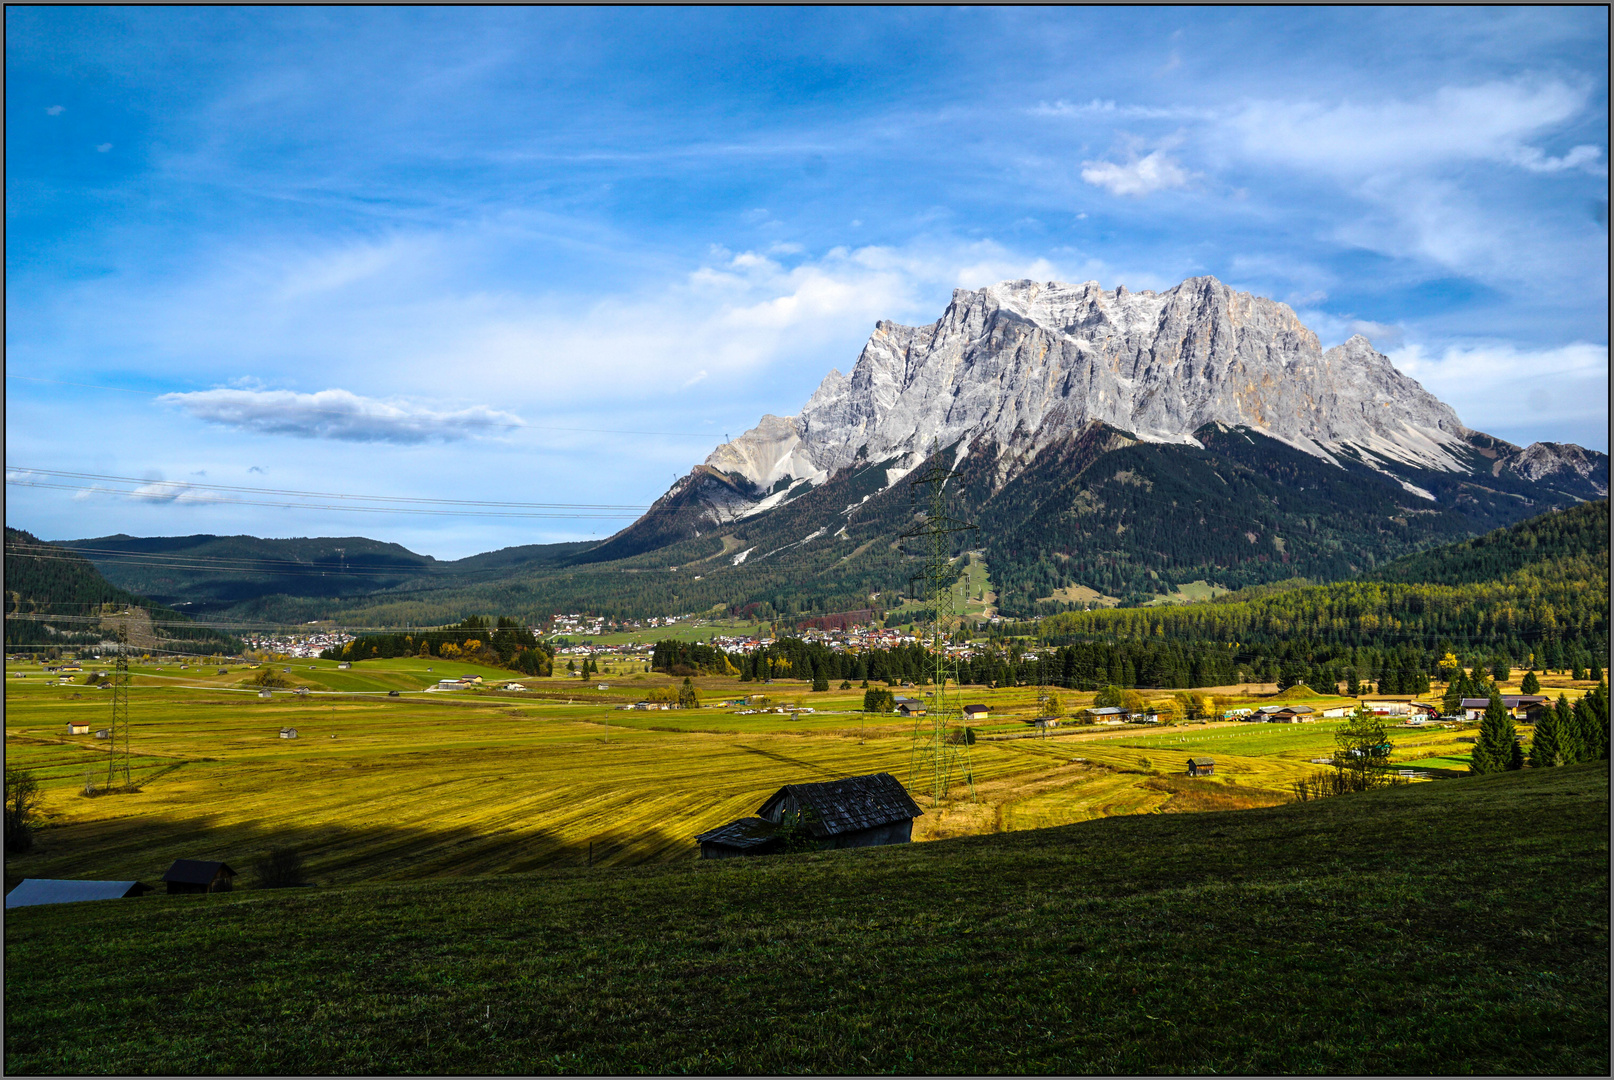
x: 1201, y: 762
x: 858, y: 802
x: 746, y: 834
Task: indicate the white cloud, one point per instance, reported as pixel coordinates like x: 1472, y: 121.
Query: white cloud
x: 1499, y: 387
x: 338, y: 414
x: 1533, y: 159
x: 1488, y: 122
x: 56, y: 110
x: 1108, y: 109
x: 1138, y: 176
x: 695, y: 378
x: 103, y: 148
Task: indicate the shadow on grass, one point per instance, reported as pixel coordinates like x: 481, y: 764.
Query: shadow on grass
x: 143, y: 846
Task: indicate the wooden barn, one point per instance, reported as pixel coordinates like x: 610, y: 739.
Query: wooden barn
x: 907, y: 706
x: 288, y: 733
x: 196, y: 875
x: 1201, y: 766
x: 860, y: 811
x: 976, y: 712
x: 78, y: 727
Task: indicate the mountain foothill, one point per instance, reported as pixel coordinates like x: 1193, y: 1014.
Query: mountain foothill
x: 1109, y: 446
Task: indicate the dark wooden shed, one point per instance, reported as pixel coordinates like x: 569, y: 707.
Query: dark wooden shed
x: 1201, y: 766
x: 860, y: 811
x: 195, y: 875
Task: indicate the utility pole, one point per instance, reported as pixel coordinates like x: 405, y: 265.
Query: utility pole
x: 940, y: 748
x: 118, y: 753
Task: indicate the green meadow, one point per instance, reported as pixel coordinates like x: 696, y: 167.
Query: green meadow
x: 441, y: 784
x: 1458, y: 927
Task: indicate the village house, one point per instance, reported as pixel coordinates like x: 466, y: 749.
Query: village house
x: 976, y: 712
x: 1289, y: 714
x: 1517, y: 705
x: 198, y: 876
x: 1109, y: 714
x: 908, y: 706
x: 860, y: 811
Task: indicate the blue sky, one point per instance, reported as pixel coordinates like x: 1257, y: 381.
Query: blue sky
x: 410, y: 252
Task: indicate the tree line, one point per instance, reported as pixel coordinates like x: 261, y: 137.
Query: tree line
x: 504, y: 643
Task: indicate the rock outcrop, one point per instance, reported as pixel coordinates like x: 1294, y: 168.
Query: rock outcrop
x: 1022, y: 364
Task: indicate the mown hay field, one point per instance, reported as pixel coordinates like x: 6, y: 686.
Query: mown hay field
x: 430, y: 784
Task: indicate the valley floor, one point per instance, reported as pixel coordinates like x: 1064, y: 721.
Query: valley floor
x: 433, y: 784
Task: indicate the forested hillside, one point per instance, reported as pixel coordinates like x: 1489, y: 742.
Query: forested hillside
x: 1549, y: 606
x: 1581, y: 531
x: 54, y: 597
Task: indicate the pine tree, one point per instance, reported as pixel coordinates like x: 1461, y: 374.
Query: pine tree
x: 1496, y: 748
x: 1568, y: 732
x: 1546, y: 745
x: 1531, y: 684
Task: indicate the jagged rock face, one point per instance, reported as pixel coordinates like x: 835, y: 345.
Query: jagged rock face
x: 1545, y: 461
x: 1022, y: 364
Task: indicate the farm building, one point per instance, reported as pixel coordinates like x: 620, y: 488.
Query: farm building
x: 265, y: 693
x: 1108, y: 713
x: 288, y: 733
x: 1044, y: 722
x: 224, y: 671
x: 1201, y: 766
x: 67, y: 891
x: 78, y: 727
x: 861, y: 811
x: 344, y: 666
x: 196, y: 875
x: 976, y: 712
x: 1289, y: 714
x: 1517, y: 705
x: 907, y: 706
x: 103, y: 733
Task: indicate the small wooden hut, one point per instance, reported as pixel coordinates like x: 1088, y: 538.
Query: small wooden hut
x: 860, y: 811
x: 198, y: 876
x: 1201, y: 766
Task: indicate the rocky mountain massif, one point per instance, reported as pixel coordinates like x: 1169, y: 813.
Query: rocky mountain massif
x: 1116, y: 444
x: 1111, y: 447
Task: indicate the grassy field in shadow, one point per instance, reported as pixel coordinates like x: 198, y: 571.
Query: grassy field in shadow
x: 1458, y: 927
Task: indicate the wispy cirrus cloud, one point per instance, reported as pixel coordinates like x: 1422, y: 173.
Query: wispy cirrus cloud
x: 339, y: 414
x: 1492, y: 121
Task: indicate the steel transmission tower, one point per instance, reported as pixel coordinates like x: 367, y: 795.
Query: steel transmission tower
x: 940, y: 741
x: 118, y: 753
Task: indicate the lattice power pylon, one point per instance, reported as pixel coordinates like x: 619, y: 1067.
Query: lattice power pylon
x: 940, y: 741
x: 117, y: 763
